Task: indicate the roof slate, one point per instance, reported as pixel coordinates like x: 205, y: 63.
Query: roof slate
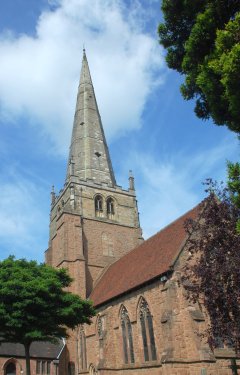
x: 37, y: 349
x: 152, y: 258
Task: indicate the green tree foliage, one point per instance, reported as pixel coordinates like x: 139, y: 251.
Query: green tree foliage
x: 202, y: 38
x: 35, y: 305
x: 213, y: 275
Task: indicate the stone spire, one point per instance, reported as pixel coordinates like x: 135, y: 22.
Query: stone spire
x: 89, y: 156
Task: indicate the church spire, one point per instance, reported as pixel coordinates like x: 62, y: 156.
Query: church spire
x: 89, y: 156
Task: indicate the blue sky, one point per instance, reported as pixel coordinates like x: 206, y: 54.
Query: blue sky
x: 149, y: 127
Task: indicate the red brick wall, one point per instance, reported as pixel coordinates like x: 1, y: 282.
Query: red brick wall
x: 21, y: 365
x: 180, y: 351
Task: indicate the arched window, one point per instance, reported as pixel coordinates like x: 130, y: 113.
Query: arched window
x: 83, y: 350
x: 127, y: 336
x: 110, y: 208
x: 98, y: 206
x: 10, y: 369
x: 146, y: 324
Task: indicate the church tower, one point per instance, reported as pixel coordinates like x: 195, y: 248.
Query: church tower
x: 93, y: 221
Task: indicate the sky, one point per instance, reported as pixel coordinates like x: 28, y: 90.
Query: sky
x: 150, y: 129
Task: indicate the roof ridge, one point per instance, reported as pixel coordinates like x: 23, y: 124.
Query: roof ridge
x: 174, y: 221
x: 157, y: 233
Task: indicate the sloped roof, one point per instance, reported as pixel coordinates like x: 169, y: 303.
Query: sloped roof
x: 152, y: 258
x: 37, y: 349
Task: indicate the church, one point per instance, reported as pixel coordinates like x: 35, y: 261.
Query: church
x: 144, y: 323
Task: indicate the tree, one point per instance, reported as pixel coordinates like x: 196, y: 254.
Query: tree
x: 212, y: 274
x: 35, y: 305
x: 202, y: 39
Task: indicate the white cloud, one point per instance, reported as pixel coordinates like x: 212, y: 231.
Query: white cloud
x: 39, y: 75
x: 170, y: 187
x: 23, y: 216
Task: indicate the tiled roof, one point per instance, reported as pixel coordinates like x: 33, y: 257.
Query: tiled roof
x: 152, y: 258
x: 37, y: 349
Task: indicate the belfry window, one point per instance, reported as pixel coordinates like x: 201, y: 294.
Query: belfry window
x: 128, y: 352
x: 110, y: 208
x: 98, y: 206
x: 146, y: 324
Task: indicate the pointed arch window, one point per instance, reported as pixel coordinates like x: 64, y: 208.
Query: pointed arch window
x: 98, y: 206
x: 146, y: 324
x: 83, y: 349
x: 127, y: 337
x: 110, y: 208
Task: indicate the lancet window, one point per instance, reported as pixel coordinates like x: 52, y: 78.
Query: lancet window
x: 146, y: 324
x: 110, y: 208
x: 128, y: 352
x: 98, y: 206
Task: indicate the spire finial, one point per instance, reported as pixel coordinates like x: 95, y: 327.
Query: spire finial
x: 53, y: 195
x: 84, y: 51
x: 131, y: 180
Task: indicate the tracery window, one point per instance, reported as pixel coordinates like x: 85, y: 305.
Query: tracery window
x: 110, y: 208
x: 83, y: 350
x: 128, y: 351
x: 98, y: 206
x: 149, y: 348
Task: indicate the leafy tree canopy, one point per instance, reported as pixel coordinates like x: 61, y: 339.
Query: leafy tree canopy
x: 202, y: 38
x: 214, y: 276
x: 35, y: 305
